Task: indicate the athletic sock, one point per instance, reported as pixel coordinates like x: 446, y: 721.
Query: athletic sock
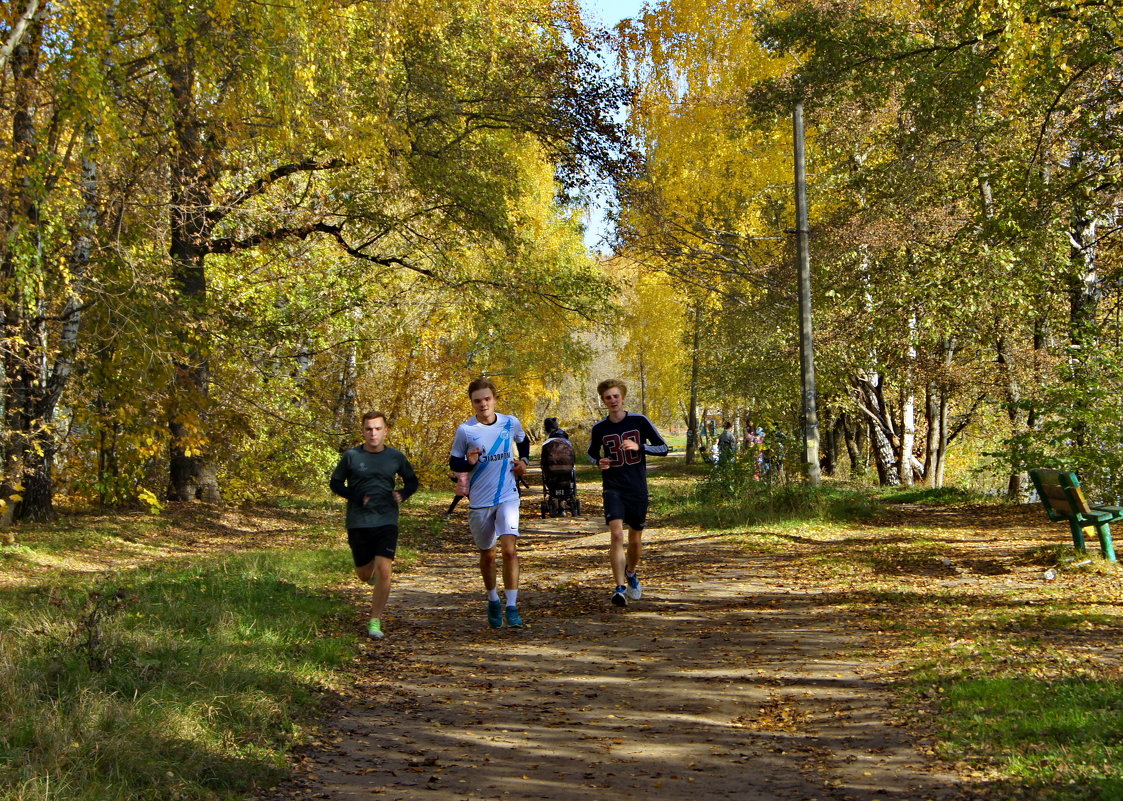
x: 512, y: 597
x: 493, y: 595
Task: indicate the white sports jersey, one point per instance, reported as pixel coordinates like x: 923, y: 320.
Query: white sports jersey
x: 493, y: 482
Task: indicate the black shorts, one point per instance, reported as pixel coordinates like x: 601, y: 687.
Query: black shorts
x: 367, y: 543
x: 630, y: 508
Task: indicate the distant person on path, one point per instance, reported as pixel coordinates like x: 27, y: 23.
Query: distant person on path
x: 727, y: 443
x: 483, y: 447
x: 365, y: 476
x: 619, y: 446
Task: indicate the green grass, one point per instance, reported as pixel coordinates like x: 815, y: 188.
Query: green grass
x: 182, y: 676
x: 81, y: 531
x: 182, y: 682
x: 1060, y: 739
x: 944, y: 496
x: 1009, y: 672
x: 730, y: 496
x: 190, y: 680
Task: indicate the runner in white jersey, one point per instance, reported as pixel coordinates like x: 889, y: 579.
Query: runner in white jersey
x: 483, y: 447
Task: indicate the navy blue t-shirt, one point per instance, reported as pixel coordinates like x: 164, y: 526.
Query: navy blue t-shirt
x: 628, y: 473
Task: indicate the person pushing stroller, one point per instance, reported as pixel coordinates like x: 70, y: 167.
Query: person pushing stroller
x: 559, y: 474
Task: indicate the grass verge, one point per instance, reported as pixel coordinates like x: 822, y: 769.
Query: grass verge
x: 1013, y: 675
x: 170, y: 682
x: 172, y: 657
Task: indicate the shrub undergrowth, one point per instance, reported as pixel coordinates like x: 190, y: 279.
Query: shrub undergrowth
x: 738, y: 492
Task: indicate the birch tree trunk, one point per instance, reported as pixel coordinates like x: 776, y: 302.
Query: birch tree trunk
x: 870, y: 398
x: 1084, y: 297
x: 38, y: 496
x: 908, y: 408
x: 1013, y: 411
x: 944, y: 391
x: 931, y: 437
x: 941, y: 461
x: 1084, y: 282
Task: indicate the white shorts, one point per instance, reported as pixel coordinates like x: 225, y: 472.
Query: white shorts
x: 492, y: 522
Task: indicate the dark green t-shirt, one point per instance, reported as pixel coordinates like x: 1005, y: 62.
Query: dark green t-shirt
x: 362, y: 473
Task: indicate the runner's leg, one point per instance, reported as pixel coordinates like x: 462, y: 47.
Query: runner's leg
x: 487, y: 569
x: 382, y: 569
x: 635, y: 548
x: 616, y: 550
x: 509, y: 543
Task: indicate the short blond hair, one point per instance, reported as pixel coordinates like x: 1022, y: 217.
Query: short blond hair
x: 608, y: 384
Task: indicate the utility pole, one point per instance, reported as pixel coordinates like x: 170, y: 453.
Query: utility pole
x: 806, y: 340
x: 692, y: 439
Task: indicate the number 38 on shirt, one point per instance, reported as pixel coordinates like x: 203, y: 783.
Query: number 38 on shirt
x: 614, y: 450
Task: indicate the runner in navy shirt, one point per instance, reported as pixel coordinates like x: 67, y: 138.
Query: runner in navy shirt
x: 619, y: 446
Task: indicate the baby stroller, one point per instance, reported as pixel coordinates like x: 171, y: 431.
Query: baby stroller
x: 559, y: 478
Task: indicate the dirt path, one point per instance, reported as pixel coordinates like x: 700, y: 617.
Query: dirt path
x: 727, y: 680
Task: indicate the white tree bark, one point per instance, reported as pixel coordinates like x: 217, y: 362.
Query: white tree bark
x: 906, y: 459
x: 19, y: 30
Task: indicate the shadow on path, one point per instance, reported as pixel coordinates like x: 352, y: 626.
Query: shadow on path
x: 724, y: 681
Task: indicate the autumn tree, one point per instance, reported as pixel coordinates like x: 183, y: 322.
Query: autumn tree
x: 280, y: 195
x: 960, y: 134
x: 51, y: 103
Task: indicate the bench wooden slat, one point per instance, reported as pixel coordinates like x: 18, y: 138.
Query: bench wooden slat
x: 1081, y: 502
x: 1063, y: 499
x: 1055, y: 493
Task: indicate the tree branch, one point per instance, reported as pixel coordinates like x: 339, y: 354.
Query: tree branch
x: 263, y: 183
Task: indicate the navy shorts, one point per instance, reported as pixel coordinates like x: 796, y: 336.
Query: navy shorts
x: 630, y: 508
x: 367, y: 543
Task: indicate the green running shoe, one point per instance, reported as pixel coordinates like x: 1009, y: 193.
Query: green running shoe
x: 374, y: 629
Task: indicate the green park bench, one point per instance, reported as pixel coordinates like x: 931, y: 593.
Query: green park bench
x: 1060, y: 494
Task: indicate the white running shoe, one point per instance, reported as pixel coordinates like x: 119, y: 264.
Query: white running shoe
x: 634, y: 591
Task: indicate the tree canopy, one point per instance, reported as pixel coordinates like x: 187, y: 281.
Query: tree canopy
x: 230, y: 228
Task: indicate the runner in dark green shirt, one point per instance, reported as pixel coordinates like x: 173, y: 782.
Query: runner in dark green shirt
x: 366, y: 476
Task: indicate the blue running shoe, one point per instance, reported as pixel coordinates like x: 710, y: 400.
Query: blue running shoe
x: 495, y: 614
x: 513, y: 619
x: 634, y: 591
x: 618, y: 597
